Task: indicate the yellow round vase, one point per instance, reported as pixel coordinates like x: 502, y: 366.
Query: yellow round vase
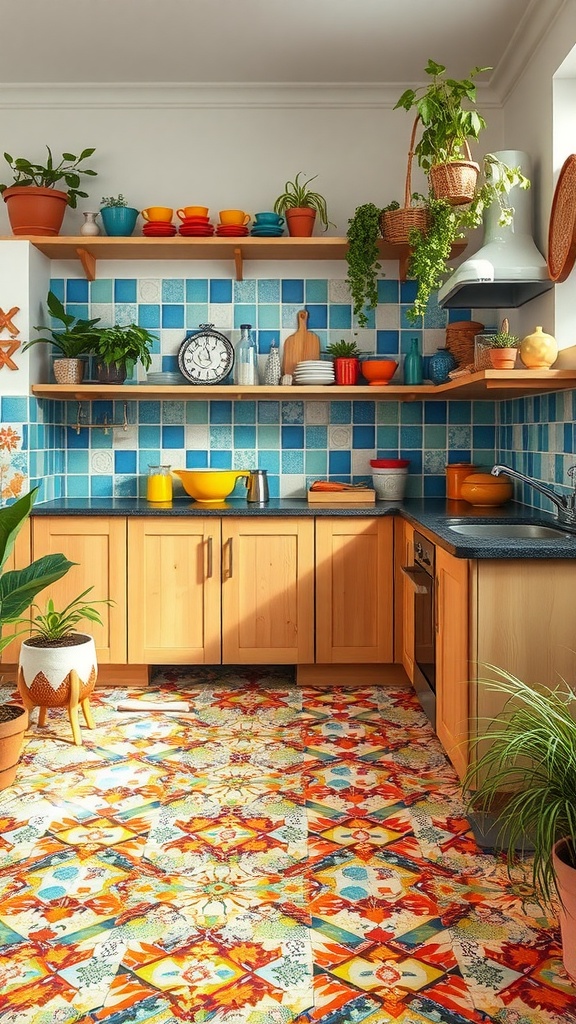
x: 538, y: 350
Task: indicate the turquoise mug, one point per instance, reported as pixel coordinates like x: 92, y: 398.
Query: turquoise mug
x: 269, y: 218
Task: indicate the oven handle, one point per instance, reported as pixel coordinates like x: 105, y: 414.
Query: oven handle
x: 415, y: 576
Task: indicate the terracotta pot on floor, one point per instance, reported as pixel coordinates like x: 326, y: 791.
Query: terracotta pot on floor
x: 13, y: 725
x: 566, y: 879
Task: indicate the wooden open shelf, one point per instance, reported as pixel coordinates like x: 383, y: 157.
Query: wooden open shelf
x: 90, y: 250
x: 485, y: 384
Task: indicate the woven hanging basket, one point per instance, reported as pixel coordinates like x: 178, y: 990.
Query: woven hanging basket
x: 455, y: 182
x: 396, y: 225
x: 460, y: 340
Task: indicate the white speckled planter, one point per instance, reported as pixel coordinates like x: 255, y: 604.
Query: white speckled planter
x: 50, y: 677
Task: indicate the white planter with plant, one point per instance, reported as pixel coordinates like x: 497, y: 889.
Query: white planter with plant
x: 35, y: 206
x: 75, y: 339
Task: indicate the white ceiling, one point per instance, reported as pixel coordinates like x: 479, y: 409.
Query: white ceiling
x: 255, y: 41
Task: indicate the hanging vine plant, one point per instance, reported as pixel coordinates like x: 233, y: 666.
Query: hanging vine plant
x: 362, y: 258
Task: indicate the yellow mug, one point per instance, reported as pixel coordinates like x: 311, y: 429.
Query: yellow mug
x: 192, y: 211
x: 157, y: 213
x: 234, y: 217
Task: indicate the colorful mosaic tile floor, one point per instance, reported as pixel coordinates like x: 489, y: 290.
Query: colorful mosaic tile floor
x: 277, y: 855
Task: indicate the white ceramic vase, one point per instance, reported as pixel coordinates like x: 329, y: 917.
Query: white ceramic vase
x: 90, y: 227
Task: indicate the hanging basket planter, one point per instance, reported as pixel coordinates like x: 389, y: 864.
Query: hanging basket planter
x: 455, y: 182
x: 396, y: 225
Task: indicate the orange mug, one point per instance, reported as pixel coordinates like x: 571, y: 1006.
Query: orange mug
x: 234, y: 217
x: 192, y: 211
x: 157, y: 213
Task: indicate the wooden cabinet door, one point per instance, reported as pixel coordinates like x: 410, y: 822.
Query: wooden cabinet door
x: 98, y: 545
x: 404, y: 596
x: 354, y: 590
x: 267, y: 591
x: 452, y: 658
x: 19, y: 558
x: 174, y: 608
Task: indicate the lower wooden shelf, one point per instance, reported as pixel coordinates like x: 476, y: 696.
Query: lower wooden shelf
x: 485, y: 384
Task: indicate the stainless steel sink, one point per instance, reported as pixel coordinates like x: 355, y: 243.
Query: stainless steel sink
x: 511, y: 531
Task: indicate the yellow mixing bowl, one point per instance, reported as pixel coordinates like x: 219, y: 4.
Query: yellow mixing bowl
x: 209, y: 486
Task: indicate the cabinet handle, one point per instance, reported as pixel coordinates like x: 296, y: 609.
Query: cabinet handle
x: 436, y: 601
x: 210, y: 568
x: 230, y: 559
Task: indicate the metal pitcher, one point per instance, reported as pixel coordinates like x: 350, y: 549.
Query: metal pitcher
x: 257, y: 485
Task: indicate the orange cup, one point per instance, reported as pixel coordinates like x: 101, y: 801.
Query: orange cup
x: 157, y: 213
x: 192, y: 211
x: 234, y: 217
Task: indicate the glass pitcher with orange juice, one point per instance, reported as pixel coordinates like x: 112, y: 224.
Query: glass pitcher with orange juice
x: 159, y: 483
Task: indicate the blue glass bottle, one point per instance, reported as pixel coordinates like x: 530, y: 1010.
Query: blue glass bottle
x: 440, y: 365
x: 413, y: 364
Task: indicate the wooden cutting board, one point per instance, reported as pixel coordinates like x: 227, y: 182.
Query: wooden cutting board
x: 303, y: 344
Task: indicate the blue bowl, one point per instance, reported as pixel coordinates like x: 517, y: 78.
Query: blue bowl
x: 119, y: 220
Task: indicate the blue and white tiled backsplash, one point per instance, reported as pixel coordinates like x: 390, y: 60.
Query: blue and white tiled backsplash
x: 294, y: 441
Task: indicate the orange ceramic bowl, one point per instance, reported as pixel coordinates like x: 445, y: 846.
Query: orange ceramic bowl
x: 378, y: 371
x: 485, y: 489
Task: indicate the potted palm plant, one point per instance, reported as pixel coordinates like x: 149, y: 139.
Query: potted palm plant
x: 18, y: 587
x: 35, y: 206
x: 75, y: 338
x: 300, y: 205
x: 119, y: 348
x: 531, y: 759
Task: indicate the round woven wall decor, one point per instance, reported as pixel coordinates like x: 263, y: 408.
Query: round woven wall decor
x: 562, y: 228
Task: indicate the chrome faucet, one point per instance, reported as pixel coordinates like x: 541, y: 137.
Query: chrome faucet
x: 565, y: 503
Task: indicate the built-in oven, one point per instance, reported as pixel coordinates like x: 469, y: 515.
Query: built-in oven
x: 422, y: 577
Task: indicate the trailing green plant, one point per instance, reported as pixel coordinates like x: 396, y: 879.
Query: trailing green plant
x: 113, y: 201
x: 19, y: 587
x: 446, y: 122
x: 76, y: 337
x: 532, y: 758
x: 52, y: 625
x: 126, y: 345
x: 296, y: 194
x: 362, y: 259
x: 503, y: 338
x: 49, y: 174
x: 343, y: 349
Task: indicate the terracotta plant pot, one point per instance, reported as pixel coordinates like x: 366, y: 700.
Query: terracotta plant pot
x: 59, y: 676
x: 566, y: 880
x: 68, y: 371
x: 346, y: 370
x: 13, y: 725
x: 300, y: 221
x: 503, y: 358
x: 35, y: 211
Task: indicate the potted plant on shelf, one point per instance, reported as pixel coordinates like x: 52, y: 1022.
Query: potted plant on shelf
x: 34, y: 205
x: 57, y: 665
x: 18, y: 587
x: 346, y: 361
x: 300, y: 205
x: 77, y: 337
x: 118, y: 349
x: 117, y: 217
x: 528, y: 773
x: 503, y: 347
x: 362, y: 259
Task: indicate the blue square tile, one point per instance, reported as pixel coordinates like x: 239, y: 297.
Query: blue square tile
x: 197, y: 412
x: 169, y: 364
x: 149, y: 437
x: 408, y: 291
x: 317, y: 317
x: 244, y: 412
x: 269, y: 290
x: 410, y: 436
x: 292, y: 437
x: 221, y: 437
x: 244, y: 291
x: 196, y: 459
x: 78, y: 309
x: 220, y: 290
x: 339, y: 462
x: 387, y: 343
x: 459, y: 412
x: 173, y: 437
x: 316, y: 290
x: 220, y: 412
x: 197, y: 290
x: 244, y: 314
x: 148, y: 314
x: 265, y: 340
x: 77, y: 291
x: 292, y: 461
x: 244, y: 436
x: 434, y: 486
x: 173, y: 289
x: 268, y: 412
x: 293, y: 291
x: 340, y: 315
x: 363, y: 412
x: 77, y: 486
x: 101, y: 486
x: 454, y: 315
x: 125, y: 313
x: 58, y: 286
x: 269, y: 317
x: 414, y: 457
x: 78, y: 440
x: 102, y: 290
x: 435, y: 412
x: 77, y: 462
x: 269, y: 460
x: 124, y: 462
x: 363, y: 437
x: 340, y: 412
x: 411, y: 412
x: 316, y: 437
x: 173, y: 316
x: 221, y: 459
x: 484, y: 437
x: 125, y: 290
x: 387, y: 438
x: 387, y: 291
x: 196, y: 314
x: 292, y: 412
x: 14, y: 409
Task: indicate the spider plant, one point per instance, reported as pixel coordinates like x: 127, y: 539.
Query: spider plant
x: 296, y: 195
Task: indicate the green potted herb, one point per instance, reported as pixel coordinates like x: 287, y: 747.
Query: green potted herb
x: 119, y: 348
x: 117, y: 217
x: 75, y: 338
x: 300, y: 205
x: 346, y: 361
x: 362, y: 259
x: 527, y: 775
x: 35, y: 206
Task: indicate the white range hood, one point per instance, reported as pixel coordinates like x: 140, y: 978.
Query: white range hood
x: 508, y: 270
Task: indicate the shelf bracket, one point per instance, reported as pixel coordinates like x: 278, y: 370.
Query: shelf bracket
x: 238, y: 263
x: 88, y: 262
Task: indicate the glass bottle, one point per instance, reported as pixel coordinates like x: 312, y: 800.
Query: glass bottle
x: 246, y: 364
x: 413, y: 364
x: 159, y: 483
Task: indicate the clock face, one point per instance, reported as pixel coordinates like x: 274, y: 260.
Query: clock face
x: 206, y: 357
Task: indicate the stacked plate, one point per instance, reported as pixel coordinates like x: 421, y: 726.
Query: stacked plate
x: 192, y: 226
x: 166, y: 377
x: 159, y: 229
x: 313, y: 371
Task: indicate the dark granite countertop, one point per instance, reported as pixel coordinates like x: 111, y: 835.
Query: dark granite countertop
x: 432, y: 514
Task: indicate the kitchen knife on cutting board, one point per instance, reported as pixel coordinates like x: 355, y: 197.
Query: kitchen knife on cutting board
x: 303, y: 344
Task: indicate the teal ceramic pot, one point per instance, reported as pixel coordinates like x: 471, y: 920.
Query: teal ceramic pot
x: 440, y: 365
x: 119, y: 220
